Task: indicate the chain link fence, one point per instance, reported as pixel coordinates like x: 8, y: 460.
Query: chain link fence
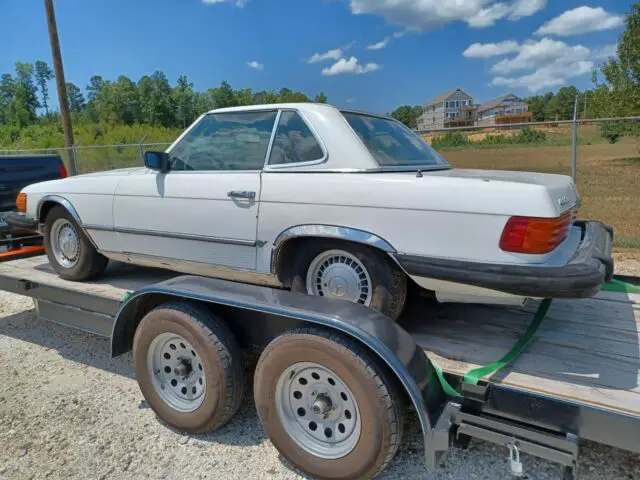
x: 607, y: 153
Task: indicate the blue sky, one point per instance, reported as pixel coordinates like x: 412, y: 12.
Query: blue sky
x: 423, y: 46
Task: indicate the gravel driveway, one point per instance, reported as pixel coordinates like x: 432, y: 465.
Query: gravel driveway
x: 67, y: 410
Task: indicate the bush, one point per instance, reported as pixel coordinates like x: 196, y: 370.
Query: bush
x: 613, y: 131
x: 450, y: 139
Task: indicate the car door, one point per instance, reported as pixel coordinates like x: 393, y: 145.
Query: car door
x: 205, y: 208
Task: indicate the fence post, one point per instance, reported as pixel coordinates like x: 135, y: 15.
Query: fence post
x: 574, y: 142
x: 140, y: 143
x: 73, y: 166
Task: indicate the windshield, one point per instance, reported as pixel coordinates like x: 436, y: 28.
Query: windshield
x: 392, y: 144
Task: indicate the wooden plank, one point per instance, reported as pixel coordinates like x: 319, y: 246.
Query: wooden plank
x: 586, y: 350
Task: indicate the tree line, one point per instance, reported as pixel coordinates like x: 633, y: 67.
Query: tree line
x: 615, y: 92
x: 151, y: 100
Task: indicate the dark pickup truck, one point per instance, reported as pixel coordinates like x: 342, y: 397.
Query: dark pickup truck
x: 18, y: 171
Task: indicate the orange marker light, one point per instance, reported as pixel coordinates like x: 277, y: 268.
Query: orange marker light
x: 21, y: 202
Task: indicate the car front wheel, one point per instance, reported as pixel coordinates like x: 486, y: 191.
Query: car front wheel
x: 69, y: 250
x: 351, y: 272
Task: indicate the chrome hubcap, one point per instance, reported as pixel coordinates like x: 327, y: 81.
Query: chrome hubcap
x: 65, y: 243
x: 339, y: 274
x: 317, y: 410
x: 177, y: 372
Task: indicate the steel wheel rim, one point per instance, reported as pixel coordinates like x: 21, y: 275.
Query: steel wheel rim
x: 339, y: 274
x: 317, y: 410
x: 65, y: 243
x: 176, y: 372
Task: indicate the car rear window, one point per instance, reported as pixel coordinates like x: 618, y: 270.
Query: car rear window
x: 392, y: 144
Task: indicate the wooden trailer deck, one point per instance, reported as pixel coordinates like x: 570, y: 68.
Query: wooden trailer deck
x: 586, y: 350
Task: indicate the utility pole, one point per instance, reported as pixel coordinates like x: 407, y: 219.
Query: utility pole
x: 61, y: 85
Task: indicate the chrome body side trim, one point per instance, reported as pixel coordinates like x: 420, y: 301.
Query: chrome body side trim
x: 328, y: 231
x: 179, y: 236
x: 194, y: 268
x: 272, y: 139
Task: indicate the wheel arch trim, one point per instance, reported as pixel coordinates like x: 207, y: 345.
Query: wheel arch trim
x: 60, y: 200
x: 377, y: 333
x: 66, y: 204
x: 327, y: 231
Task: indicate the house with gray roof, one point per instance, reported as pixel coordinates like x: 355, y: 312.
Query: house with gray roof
x: 504, y: 110
x: 453, y: 108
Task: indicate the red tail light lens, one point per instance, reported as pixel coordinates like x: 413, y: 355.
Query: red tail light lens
x: 63, y: 171
x: 535, y: 235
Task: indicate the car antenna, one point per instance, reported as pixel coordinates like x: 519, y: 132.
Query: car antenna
x: 419, y: 174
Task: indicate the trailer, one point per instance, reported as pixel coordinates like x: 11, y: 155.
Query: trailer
x: 333, y: 380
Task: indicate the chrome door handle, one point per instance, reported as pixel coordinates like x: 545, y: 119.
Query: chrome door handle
x: 241, y: 194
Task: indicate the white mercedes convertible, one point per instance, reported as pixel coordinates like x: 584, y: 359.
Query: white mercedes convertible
x: 328, y: 202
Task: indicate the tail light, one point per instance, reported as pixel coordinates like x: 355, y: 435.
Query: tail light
x: 62, y: 170
x: 21, y: 202
x: 535, y: 235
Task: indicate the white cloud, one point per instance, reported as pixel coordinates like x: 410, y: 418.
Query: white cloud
x: 553, y: 75
x: 487, y: 17
x: 429, y: 14
x: 526, y: 8
x: 321, y: 57
x: 538, y: 54
x: 380, y: 45
x: 256, y: 65
x: 486, y: 50
x: 352, y: 65
x: 238, y: 3
x: 539, y: 64
x: 581, y: 20
x: 606, y: 51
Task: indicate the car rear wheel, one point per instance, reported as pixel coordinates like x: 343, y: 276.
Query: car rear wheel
x: 351, y: 272
x: 70, y: 252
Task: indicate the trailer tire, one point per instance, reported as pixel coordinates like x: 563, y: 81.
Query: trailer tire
x: 189, y: 367
x: 311, y: 382
x: 85, y: 262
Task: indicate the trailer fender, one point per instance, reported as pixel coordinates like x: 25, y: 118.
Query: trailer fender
x: 386, y: 339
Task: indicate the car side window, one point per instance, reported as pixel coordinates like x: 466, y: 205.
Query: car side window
x: 225, y: 141
x: 294, y: 142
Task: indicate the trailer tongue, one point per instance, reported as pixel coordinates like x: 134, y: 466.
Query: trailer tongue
x: 576, y: 379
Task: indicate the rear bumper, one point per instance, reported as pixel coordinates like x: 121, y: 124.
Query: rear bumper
x: 20, y: 222
x: 589, y: 268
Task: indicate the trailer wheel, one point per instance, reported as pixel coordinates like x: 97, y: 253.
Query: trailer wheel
x: 327, y: 405
x: 189, y: 367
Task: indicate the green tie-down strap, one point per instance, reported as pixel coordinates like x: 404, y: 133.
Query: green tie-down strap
x: 126, y: 296
x: 475, y: 375
x: 619, y: 286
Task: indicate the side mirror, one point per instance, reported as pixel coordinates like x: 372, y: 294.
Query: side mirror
x: 158, y: 161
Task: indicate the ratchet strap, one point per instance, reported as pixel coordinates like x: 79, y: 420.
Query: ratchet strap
x: 474, y: 376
